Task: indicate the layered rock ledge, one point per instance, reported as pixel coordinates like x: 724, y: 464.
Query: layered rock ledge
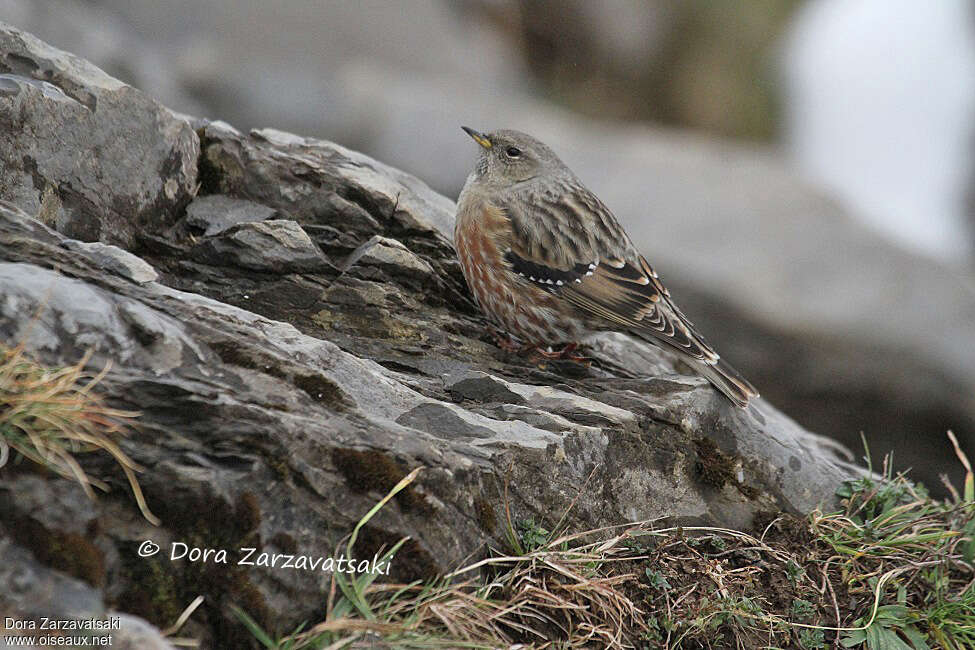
x: 289, y: 319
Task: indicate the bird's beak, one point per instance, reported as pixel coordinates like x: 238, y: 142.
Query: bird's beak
x: 479, y: 138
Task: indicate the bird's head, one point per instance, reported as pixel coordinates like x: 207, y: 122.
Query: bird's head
x: 510, y: 157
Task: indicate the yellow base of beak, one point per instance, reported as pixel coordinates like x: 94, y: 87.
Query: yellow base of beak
x: 479, y: 138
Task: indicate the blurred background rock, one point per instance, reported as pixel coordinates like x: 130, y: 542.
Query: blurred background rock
x: 800, y: 172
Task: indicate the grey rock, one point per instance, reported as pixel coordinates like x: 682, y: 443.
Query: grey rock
x: 117, y: 161
x: 304, y: 175
x: 278, y: 408
x: 832, y: 322
x: 480, y: 387
x: 136, y: 634
x: 215, y: 213
x: 389, y: 254
x: 114, y: 259
x: 32, y: 590
x: 278, y: 245
x: 443, y: 422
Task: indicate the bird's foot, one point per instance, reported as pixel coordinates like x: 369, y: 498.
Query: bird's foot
x: 567, y: 353
x: 537, y: 351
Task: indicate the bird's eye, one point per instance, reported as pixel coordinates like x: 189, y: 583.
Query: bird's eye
x: 513, y: 152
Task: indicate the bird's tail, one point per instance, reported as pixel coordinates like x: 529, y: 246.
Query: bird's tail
x: 727, y: 380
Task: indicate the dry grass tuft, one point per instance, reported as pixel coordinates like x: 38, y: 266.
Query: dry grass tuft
x: 49, y: 415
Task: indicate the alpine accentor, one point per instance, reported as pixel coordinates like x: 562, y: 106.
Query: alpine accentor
x: 549, y: 263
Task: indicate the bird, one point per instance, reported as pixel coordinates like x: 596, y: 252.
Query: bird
x: 548, y: 263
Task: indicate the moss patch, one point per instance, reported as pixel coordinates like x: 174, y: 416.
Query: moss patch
x: 159, y: 590
x: 211, y: 522
x: 713, y: 466
x: 69, y: 553
x: 373, y: 471
x: 154, y: 591
x: 285, y: 542
x: 321, y: 389
x: 485, y: 514
x: 412, y: 561
x: 318, y: 387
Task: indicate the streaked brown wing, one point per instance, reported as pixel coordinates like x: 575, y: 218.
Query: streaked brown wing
x: 625, y: 293
x: 571, y: 245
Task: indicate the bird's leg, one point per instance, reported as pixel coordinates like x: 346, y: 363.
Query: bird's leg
x: 538, y: 350
x: 544, y: 352
x: 567, y: 353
